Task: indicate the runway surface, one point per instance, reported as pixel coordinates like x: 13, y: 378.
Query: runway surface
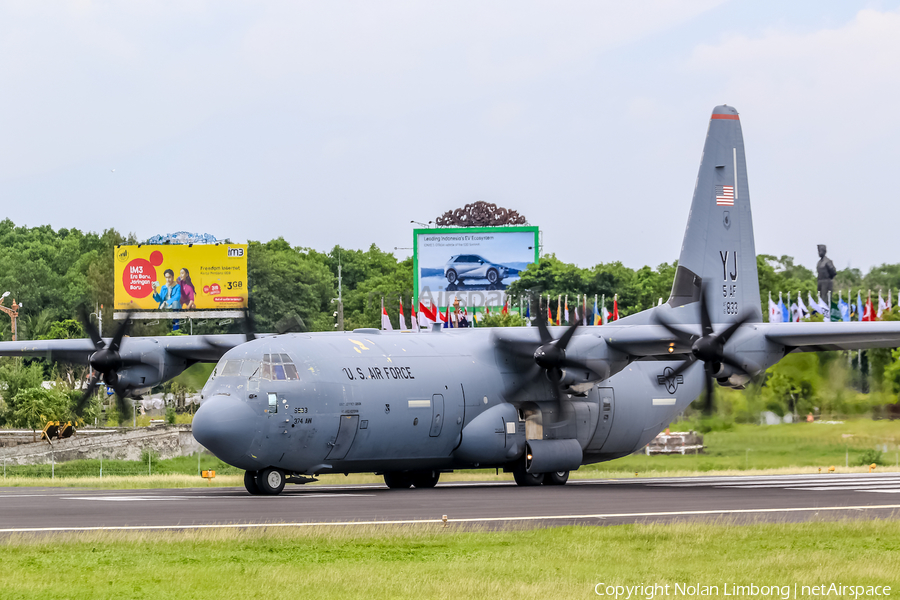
x: 495, y: 504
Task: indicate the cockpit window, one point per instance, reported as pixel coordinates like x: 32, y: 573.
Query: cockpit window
x: 231, y: 368
x: 249, y: 368
x: 278, y: 367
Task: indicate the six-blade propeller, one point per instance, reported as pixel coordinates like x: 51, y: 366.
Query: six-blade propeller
x: 708, y: 347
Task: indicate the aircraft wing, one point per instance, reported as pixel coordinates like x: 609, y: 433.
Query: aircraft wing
x: 205, y: 348
x: 818, y: 337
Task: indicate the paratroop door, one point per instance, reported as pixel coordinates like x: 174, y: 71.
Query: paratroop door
x: 345, y: 436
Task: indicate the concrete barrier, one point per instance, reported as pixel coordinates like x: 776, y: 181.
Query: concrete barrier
x: 167, y: 441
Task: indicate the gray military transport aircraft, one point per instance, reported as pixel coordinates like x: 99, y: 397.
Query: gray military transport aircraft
x: 539, y: 402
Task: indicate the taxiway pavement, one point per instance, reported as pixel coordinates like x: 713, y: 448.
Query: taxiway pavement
x: 493, y: 504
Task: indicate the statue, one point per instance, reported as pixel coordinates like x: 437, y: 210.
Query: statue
x: 825, y: 271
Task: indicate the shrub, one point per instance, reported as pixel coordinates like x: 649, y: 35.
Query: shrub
x: 869, y: 457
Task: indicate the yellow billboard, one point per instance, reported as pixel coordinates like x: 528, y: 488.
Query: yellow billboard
x: 181, y: 277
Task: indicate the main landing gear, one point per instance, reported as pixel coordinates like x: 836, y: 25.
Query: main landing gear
x: 524, y: 478
x: 397, y: 480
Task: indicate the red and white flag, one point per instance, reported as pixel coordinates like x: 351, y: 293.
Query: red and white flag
x: 615, y: 312
x: 403, y: 326
x: 385, y: 319
x: 505, y: 310
x: 427, y: 315
x: 868, y: 310
x: 413, y: 318
x: 724, y: 195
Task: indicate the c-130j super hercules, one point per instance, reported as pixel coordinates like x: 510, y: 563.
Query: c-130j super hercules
x: 539, y: 402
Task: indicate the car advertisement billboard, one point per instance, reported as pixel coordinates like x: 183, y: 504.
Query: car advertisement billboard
x: 473, y: 264
x: 181, y: 277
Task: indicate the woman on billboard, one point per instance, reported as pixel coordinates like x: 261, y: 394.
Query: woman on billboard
x: 187, y: 289
x: 168, y: 295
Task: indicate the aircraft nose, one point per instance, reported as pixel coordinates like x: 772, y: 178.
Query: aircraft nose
x: 226, y: 427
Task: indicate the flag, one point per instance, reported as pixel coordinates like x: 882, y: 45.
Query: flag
x: 505, y: 310
x: 804, y: 312
x: 549, y: 312
x: 567, y: 310
x: 558, y: 309
x: 724, y: 195
x: 815, y: 306
x: 775, y: 315
x: 869, y: 310
x: 615, y: 310
x: 413, y: 318
x: 890, y: 305
x: 403, y: 326
x: 835, y: 312
x: 785, y: 316
x: 427, y: 315
x: 795, y: 312
x: 860, y: 310
x: 882, y: 306
x: 584, y: 310
x: 528, y: 314
x: 844, y: 309
x: 597, y: 318
x: 385, y: 319
x: 445, y: 318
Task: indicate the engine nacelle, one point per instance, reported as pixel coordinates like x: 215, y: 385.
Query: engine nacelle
x: 492, y: 438
x: 551, y: 456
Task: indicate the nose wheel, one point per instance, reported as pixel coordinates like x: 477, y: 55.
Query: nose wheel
x: 250, y: 483
x: 269, y: 481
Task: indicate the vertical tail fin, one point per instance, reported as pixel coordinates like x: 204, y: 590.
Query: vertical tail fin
x: 718, y: 253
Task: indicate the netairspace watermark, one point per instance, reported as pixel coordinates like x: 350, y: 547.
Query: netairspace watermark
x: 650, y: 591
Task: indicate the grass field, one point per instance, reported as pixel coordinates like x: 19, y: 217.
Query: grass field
x: 747, y: 449
x: 430, y: 562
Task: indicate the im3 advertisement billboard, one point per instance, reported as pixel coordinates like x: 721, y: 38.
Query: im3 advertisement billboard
x: 181, y: 277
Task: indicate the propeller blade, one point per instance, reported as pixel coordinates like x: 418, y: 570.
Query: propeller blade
x: 683, y: 336
x: 249, y: 326
x: 708, y: 400
x: 726, y: 335
x: 122, y: 406
x: 90, y: 329
x: 691, y: 359
x: 120, y: 333
x: 542, y: 328
x: 86, y: 396
x: 731, y: 362
x: 517, y: 348
x: 705, y: 320
x: 564, y: 340
x: 529, y: 379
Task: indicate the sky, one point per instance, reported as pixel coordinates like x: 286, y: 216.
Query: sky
x: 340, y: 122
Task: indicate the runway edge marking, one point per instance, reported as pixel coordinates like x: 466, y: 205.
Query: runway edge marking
x: 470, y: 520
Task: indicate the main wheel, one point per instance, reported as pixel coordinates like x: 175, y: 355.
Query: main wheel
x: 451, y: 276
x: 557, y: 478
x: 425, y: 479
x: 524, y: 478
x: 250, y: 483
x: 493, y: 276
x: 270, y: 481
x: 398, y: 481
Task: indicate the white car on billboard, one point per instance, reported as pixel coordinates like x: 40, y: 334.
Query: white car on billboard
x: 472, y: 266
